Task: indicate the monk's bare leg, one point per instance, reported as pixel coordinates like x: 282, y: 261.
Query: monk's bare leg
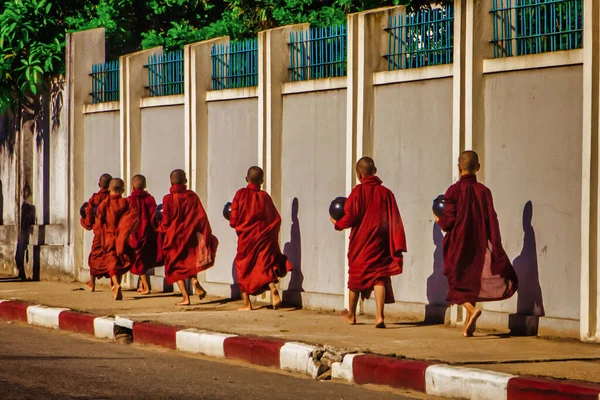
x: 276, y: 299
x: 91, y: 284
x: 140, y: 288
x: 198, y: 288
x: 473, y: 314
x: 116, y: 287
x: 350, y: 315
x: 379, y: 302
x: 247, y: 304
x: 186, y: 298
x: 467, y: 318
x: 144, y: 285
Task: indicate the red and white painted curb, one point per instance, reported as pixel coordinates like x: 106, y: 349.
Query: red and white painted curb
x: 457, y: 382
x: 426, y: 377
x: 290, y: 356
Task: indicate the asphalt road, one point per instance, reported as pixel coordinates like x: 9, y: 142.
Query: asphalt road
x: 38, y: 364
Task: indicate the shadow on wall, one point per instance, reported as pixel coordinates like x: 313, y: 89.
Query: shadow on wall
x: 530, y: 302
x: 437, y: 284
x: 25, y: 229
x: 235, y: 289
x: 293, y: 251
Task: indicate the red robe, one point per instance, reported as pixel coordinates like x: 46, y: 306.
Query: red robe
x: 116, y: 221
x: 377, y: 238
x: 475, y: 262
x: 259, y: 260
x: 189, y: 246
x: 144, y: 239
x: 95, y: 261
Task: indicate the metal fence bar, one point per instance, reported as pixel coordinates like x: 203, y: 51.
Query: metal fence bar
x: 235, y: 65
x: 165, y: 73
x: 105, y: 82
x: 320, y: 52
x: 421, y: 38
x: 521, y: 27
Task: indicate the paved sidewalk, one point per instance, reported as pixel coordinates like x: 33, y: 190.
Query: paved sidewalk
x: 404, y: 339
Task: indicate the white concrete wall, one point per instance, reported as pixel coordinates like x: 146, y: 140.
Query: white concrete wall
x: 533, y: 151
x: 162, y: 147
x: 232, y: 149
x: 313, y: 172
x: 8, y: 177
x: 102, y: 155
x: 412, y: 149
x: 8, y: 186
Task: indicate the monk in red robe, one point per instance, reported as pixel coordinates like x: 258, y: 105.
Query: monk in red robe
x: 96, y: 260
x: 259, y: 262
x: 189, y: 246
x: 377, y: 241
x: 116, y: 220
x: 143, y: 240
x: 475, y: 262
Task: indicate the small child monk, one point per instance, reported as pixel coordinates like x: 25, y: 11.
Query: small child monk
x: 95, y: 260
x: 377, y: 241
x: 143, y: 240
x: 259, y: 262
x: 475, y: 262
x: 116, y: 220
x: 189, y: 246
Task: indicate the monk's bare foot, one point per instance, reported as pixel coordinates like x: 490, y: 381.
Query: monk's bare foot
x: 199, y: 290
x: 91, y: 286
x: 117, y: 293
x: 140, y: 289
x: 184, y: 302
x: 246, y: 308
x: 471, y: 324
x: 276, y: 299
x: 380, y: 325
x: 348, y: 318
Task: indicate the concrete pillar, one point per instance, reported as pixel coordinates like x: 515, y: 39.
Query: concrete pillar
x: 590, y: 286
x: 82, y: 50
x: 273, y: 62
x: 477, y: 47
x: 367, y: 43
x: 198, y: 81
x: 472, y: 33
x: 133, y: 80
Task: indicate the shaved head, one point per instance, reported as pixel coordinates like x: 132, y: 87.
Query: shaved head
x: 178, y: 177
x: 255, y: 175
x: 117, y: 186
x: 138, y: 182
x: 468, y: 161
x: 104, y: 181
x: 366, y: 167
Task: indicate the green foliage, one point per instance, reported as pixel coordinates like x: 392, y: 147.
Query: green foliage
x: 31, y: 46
x: 32, y: 32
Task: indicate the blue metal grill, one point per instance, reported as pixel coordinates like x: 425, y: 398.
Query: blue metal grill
x: 105, y: 82
x: 235, y: 65
x: 522, y: 27
x: 318, y: 53
x: 421, y: 38
x: 165, y: 73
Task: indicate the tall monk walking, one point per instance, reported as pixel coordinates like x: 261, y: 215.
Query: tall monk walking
x: 259, y: 262
x: 96, y: 260
x: 144, y: 239
x: 377, y: 241
x: 189, y: 246
x: 116, y: 220
x: 475, y: 262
